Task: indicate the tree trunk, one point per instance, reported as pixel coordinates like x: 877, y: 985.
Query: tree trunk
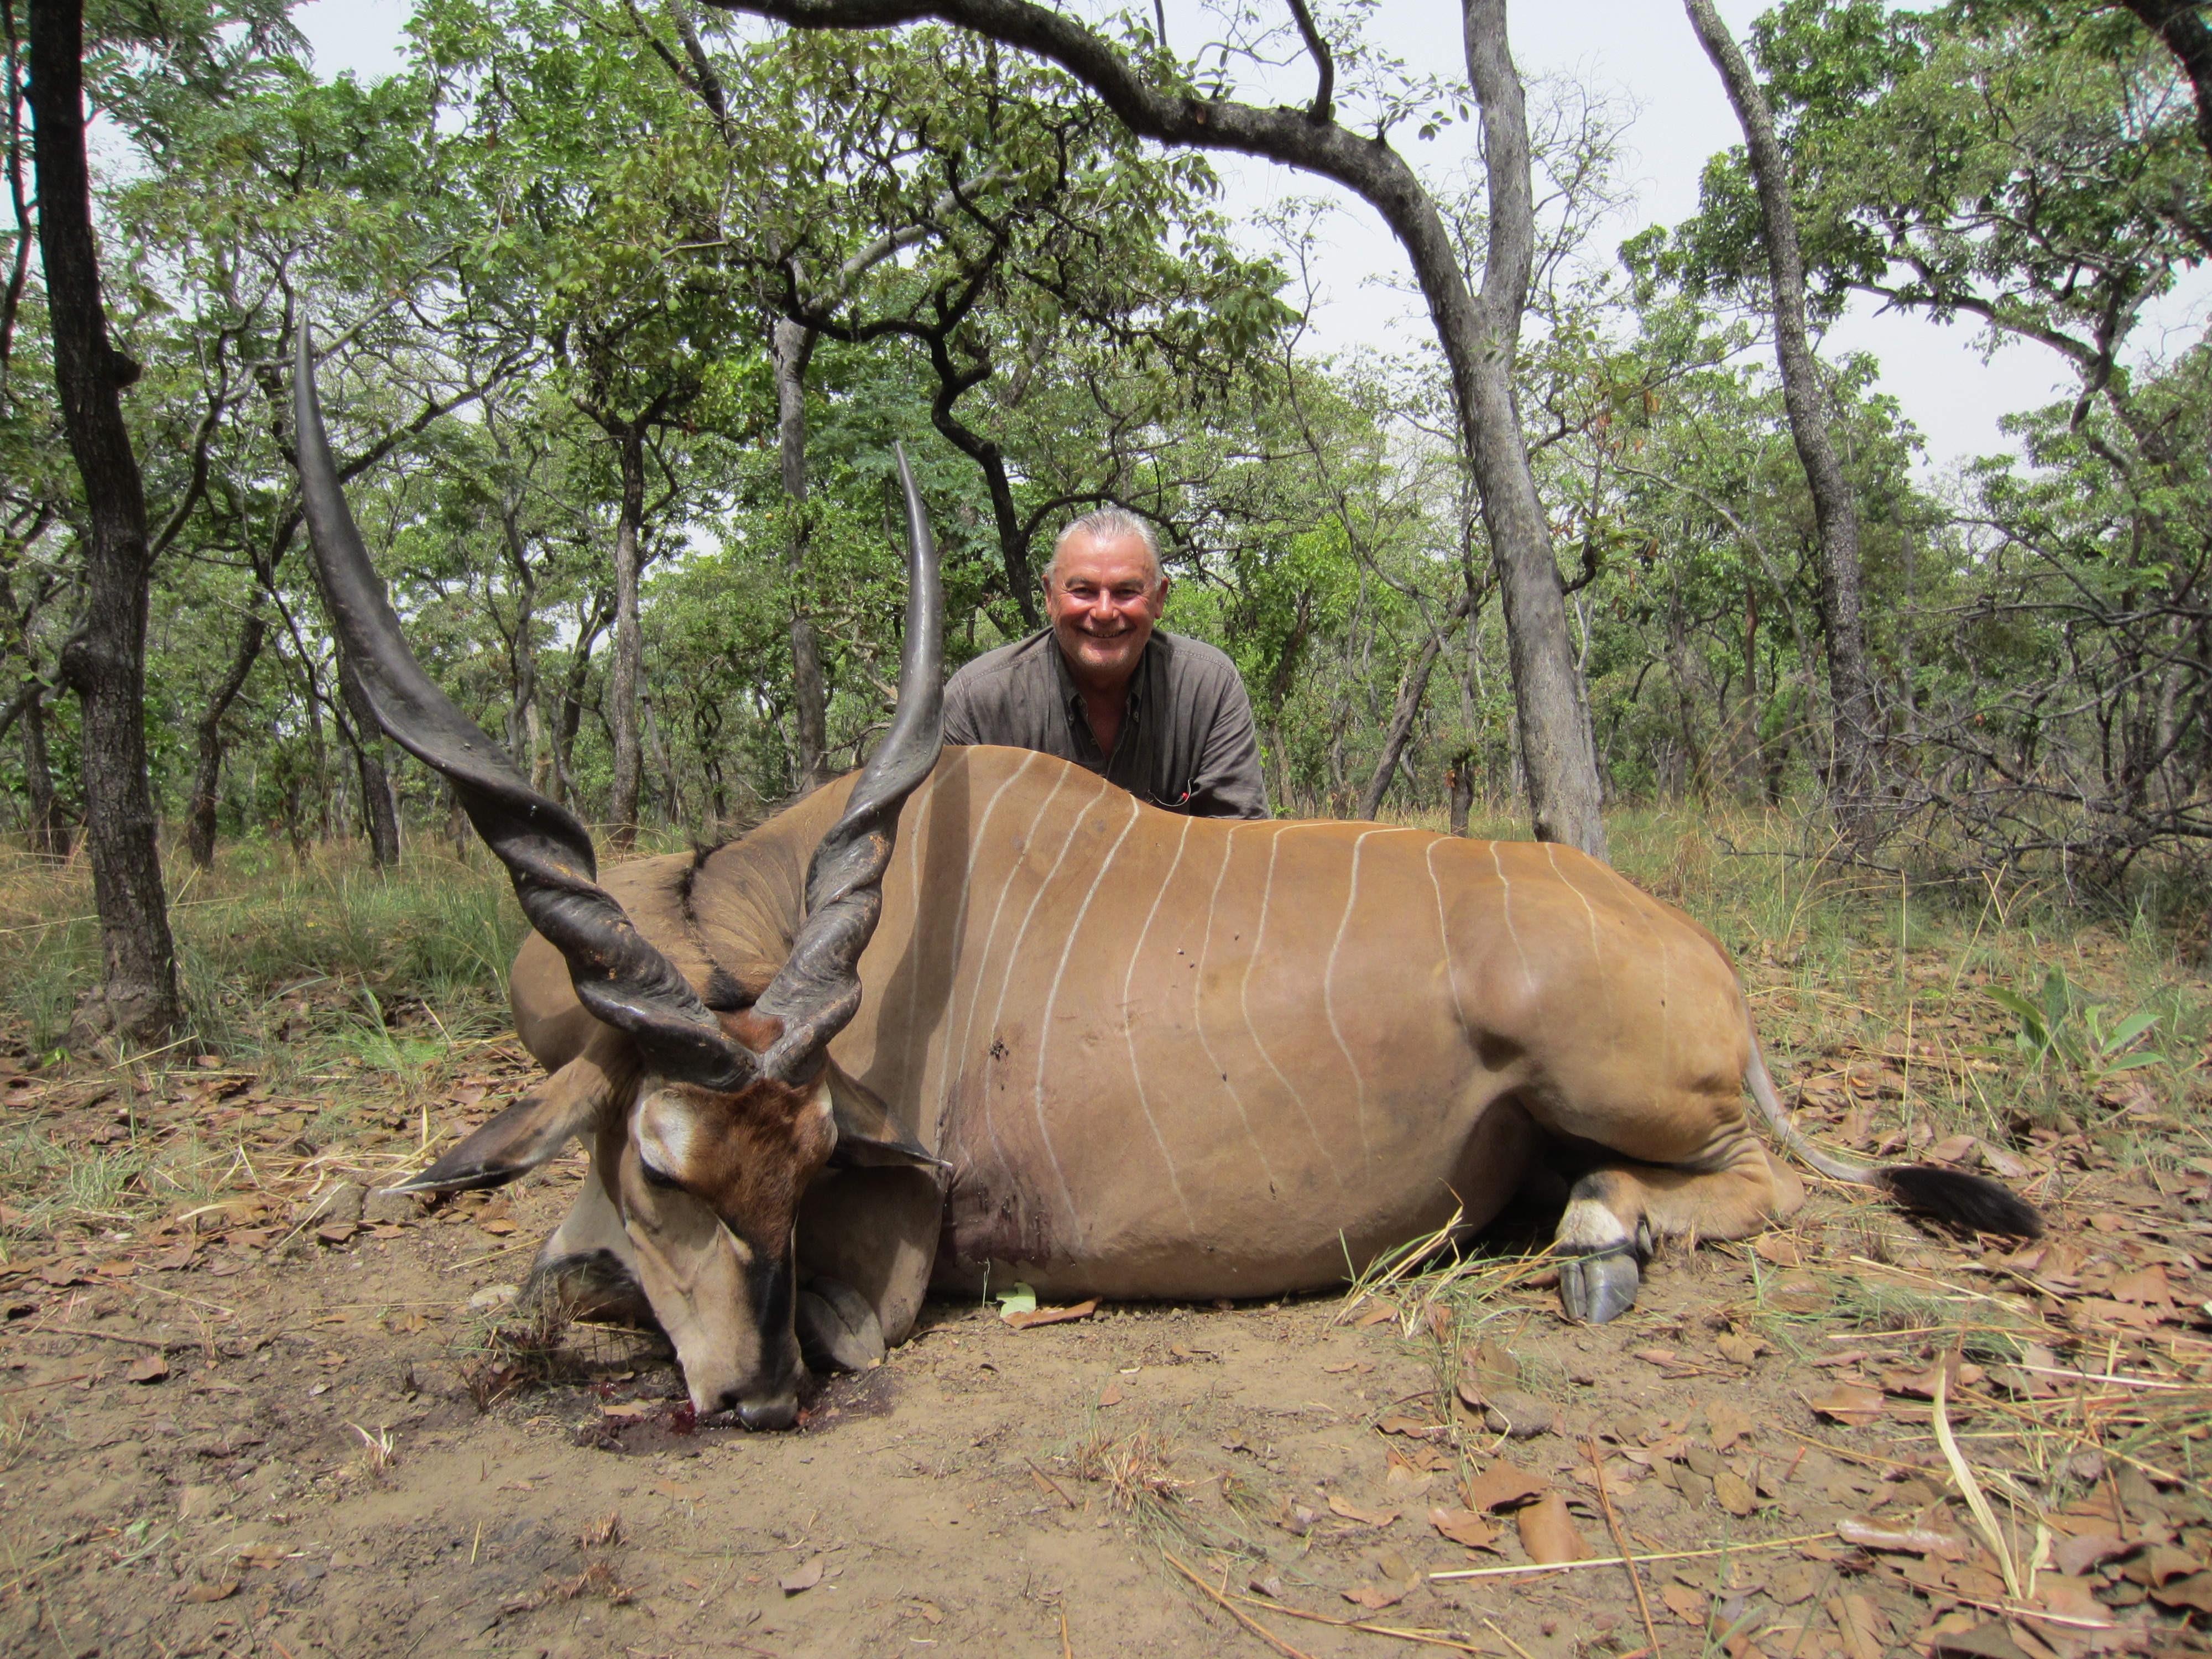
x: 1479, y: 335
x: 1460, y: 781
x: 207, y: 776
x: 378, y: 815
x: 1853, y: 776
x: 1550, y: 712
x: 629, y: 641
x: 671, y: 810
x: 791, y: 345
x: 48, y: 835
x: 104, y: 663
x: 572, y: 701
x: 1409, y: 708
x: 2181, y: 25
x: 1006, y: 517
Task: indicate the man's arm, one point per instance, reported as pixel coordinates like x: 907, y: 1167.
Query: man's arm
x: 960, y: 711
x: 1228, y: 783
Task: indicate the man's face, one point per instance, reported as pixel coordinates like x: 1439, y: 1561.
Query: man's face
x: 1103, y: 600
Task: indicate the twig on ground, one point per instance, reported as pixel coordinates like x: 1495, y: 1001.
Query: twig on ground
x: 1238, y: 1614
x: 1429, y: 1637
x: 1507, y: 1640
x: 154, y: 1343
x: 1522, y: 1569
x: 1058, y: 1490
x: 1620, y: 1543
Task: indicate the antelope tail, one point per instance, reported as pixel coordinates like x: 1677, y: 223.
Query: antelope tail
x: 1950, y: 1197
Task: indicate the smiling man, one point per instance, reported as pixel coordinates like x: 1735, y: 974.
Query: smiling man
x: 1163, y: 716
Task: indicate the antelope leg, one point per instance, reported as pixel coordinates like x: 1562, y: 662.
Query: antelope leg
x: 837, y: 1328
x: 1618, y: 1210
x: 876, y: 1231
x: 1598, y: 1285
x: 587, y: 1266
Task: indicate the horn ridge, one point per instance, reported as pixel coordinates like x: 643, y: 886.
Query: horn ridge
x: 817, y: 991
x: 619, y: 977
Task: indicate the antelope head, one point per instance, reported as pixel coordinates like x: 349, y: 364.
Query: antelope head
x: 712, y: 1128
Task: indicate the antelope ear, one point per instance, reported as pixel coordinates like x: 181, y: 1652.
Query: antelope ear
x: 868, y: 1136
x: 530, y: 1132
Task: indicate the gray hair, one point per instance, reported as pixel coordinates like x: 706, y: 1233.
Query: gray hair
x: 1109, y: 524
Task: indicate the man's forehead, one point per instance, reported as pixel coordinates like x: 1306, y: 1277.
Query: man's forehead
x: 1106, y: 560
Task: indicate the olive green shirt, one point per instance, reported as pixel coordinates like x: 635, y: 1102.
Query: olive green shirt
x: 1186, y: 741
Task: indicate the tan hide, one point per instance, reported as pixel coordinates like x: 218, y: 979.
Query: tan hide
x: 1178, y: 1057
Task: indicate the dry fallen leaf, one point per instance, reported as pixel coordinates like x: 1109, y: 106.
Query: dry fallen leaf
x: 1862, y: 1625
x: 1737, y: 1348
x: 1464, y: 1527
x: 2194, y: 1592
x: 1547, y: 1532
x: 1734, y: 1494
x: 1500, y: 1486
x: 1780, y: 1249
x: 1022, y: 1321
x: 1989, y: 1641
x: 1848, y: 1403
x: 1792, y: 1582
x: 1373, y: 1597
x: 1398, y: 1422
x: 1688, y: 1605
x: 1491, y: 1364
x: 1365, y: 1518
x: 1908, y: 1541
x: 628, y: 1409
x: 2147, y: 1284
x: 1510, y: 1411
x: 1727, y: 1424
x: 801, y: 1578
x: 2076, y: 1554
x: 1404, y: 1480
x: 1798, y: 1293
x: 1375, y: 1316
x: 213, y: 1592
x: 150, y: 1368
x: 1112, y: 1397
x: 2071, y: 1598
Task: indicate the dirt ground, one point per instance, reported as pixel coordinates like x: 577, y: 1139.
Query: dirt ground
x: 278, y: 1427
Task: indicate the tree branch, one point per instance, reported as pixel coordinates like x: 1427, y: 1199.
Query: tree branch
x: 1323, y: 108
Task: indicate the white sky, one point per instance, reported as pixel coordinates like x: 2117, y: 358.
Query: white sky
x: 1640, y: 50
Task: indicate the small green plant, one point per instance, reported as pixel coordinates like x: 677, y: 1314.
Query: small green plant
x: 2057, y: 1024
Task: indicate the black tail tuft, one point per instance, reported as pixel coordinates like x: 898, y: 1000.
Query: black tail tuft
x: 1955, y: 1199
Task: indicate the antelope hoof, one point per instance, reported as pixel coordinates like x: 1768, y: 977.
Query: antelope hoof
x: 1598, y: 1288
x: 837, y: 1329
x: 595, y: 1287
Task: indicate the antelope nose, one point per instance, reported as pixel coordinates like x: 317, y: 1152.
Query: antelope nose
x: 780, y: 1413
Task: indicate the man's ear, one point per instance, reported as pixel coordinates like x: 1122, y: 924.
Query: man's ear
x: 868, y: 1136
x: 528, y: 1133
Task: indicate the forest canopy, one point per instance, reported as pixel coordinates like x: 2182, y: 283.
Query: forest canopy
x: 621, y: 310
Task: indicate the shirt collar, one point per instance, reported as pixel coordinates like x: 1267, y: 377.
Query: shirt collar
x: 1070, y: 694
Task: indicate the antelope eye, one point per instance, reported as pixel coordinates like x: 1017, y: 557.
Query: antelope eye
x: 656, y: 1177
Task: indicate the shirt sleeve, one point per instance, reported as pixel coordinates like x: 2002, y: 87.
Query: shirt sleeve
x: 960, y: 712
x: 1229, y: 784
